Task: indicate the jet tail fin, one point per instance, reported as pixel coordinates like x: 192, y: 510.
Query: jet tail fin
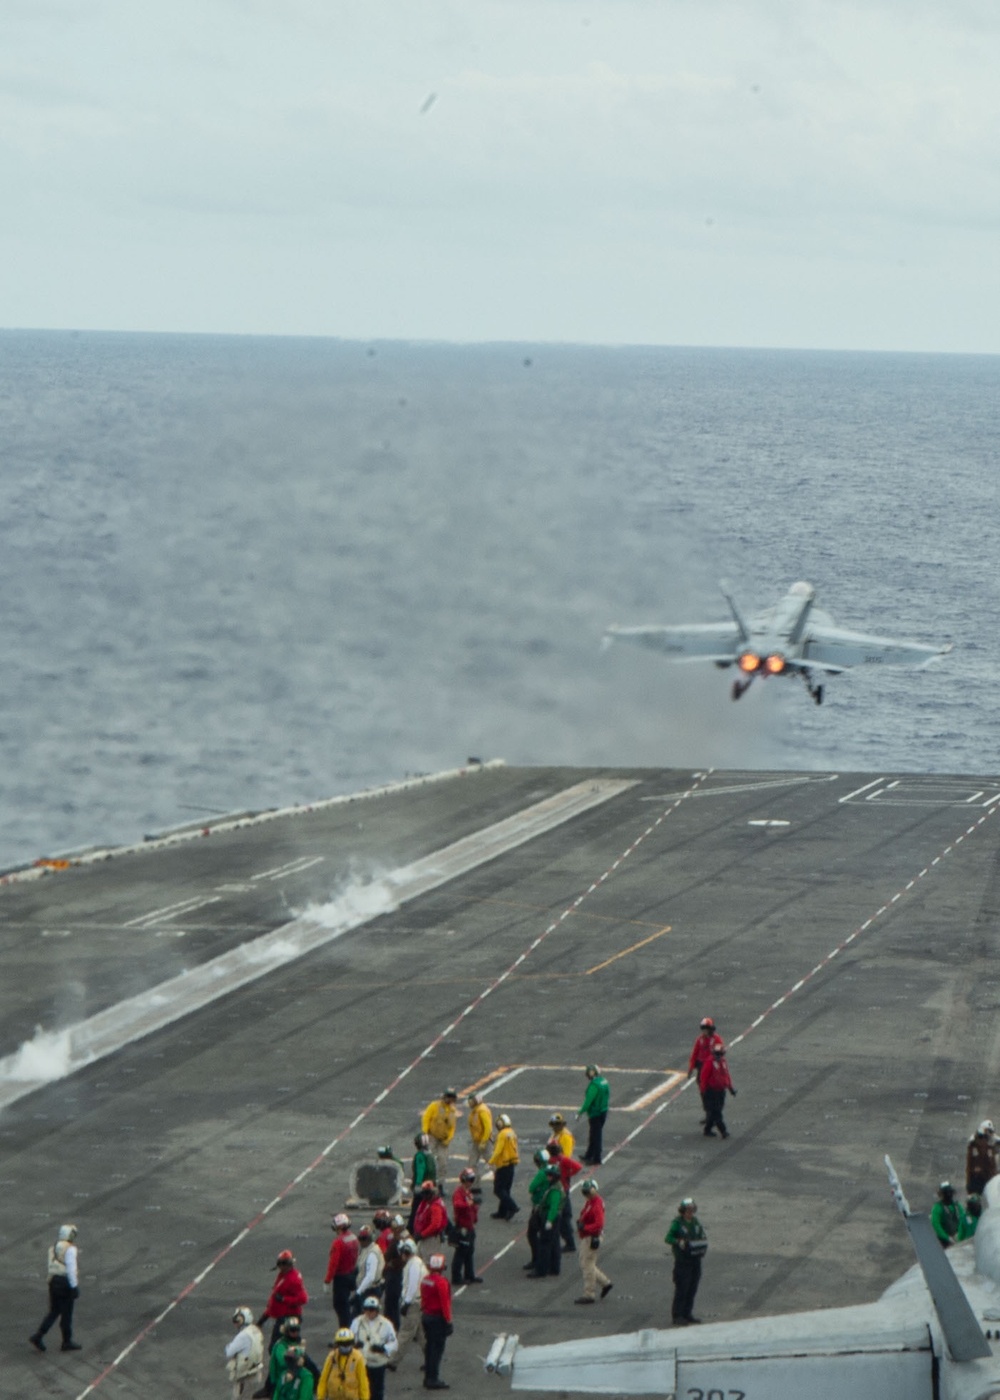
x: 959, y: 1324
x: 727, y: 593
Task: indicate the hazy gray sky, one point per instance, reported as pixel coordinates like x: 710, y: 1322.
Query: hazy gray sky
x: 763, y: 172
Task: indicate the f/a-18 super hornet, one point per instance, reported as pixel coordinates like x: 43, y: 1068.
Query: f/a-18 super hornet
x: 792, y: 638
x: 933, y: 1335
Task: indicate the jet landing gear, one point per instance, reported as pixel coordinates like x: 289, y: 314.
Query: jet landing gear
x: 814, y: 689
x: 741, y: 688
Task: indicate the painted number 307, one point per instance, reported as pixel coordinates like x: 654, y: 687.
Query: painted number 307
x: 695, y: 1394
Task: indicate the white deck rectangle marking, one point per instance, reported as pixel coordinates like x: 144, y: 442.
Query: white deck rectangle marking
x: 108, y: 1031
x: 858, y: 791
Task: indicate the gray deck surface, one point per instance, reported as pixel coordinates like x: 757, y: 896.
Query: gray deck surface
x: 164, y: 1151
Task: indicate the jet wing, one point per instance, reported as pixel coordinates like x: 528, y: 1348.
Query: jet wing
x: 880, y: 1349
x: 707, y: 641
x: 836, y: 648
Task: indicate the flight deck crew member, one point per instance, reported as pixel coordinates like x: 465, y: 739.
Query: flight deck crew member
x: 430, y: 1225
x: 503, y: 1160
x: 393, y: 1276
x: 414, y: 1270
x: 64, y: 1289
x: 342, y: 1268
x: 590, y: 1224
x: 537, y: 1187
x: 595, y: 1109
x: 288, y: 1295
x: 706, y: 1041
x: 569, y: 1167
x: 245, y: 1355
x: 547, y: 1252
x: 435, y: 1312
x: 370, y: 1270
x: 295, y: 1381
x: 344, y: 1375
x: 480, y: 1125
x: 687, y: 1238
x: 465, y: 1211
x: 438, y: 1122
x: 562, y: 1134
x: 981, y: 1158
x: 376, y: 1337
x: 290, y: 1336
x: 951, y: 1224
x: 713, y: 1082
x: 424, y: 1169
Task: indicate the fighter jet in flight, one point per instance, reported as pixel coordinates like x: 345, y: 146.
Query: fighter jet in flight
x: 793, y: 638
x: 933, y: 1335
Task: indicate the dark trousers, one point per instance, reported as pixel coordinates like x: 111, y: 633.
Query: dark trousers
x: 595, y: 1143
x: 463, y: 1261
x: 566, y: 1227
x: 376, y: 1382
x: 534, y: 1226
x: 687, y: 1274
x: 393, y: 1296
x: 435, y: 1336
x: 714, y: 1100
x: 548, y: 1255
x: 503, y: 1180
x: 343, y: 1289
x: 61, y: 1300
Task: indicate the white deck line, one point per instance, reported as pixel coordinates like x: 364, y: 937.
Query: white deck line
x: 117, y: 1026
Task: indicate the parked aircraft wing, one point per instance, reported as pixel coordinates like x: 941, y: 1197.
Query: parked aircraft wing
x: 835, y: 648
x: 707, y: 641
x: 871, y: 1350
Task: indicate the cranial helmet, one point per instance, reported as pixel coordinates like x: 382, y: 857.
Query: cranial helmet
x: 503, y: 1121
x: 436, y: 1262
x: 467, y: 1174
x: 407, y: 1247
x: 370, y: 1303
x: 67, y: 1232
x: 707, y: 1024
x: 342, y: 1222
x: 364, y: 1234
x: 243, y: 1316
x: 589, y: 1186
x: 946, y: 1191
x: 285, y: 1259
x: 540, y: 1157
x: 344, y: 1340
x: 986, y: 1128
x: 422, y: 1141
x: 688, y: 1203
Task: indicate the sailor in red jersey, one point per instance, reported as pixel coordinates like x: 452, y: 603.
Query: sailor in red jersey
x: 708, y: 1039
x: 430, y: 1224
x: 288, y: 1296
x: 435, y: 1313
x: 590, y: 1224
x: 465, y: 1210
x: 342, y: 1268
x: 713, y: 1082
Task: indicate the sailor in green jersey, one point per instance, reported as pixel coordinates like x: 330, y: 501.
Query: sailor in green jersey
x: 536, y: 1190
x: 948, y: 1217
x: 687, y: 1238
x: 295, y: 1382
x: 548, y: 1254
x: 595, y: 1109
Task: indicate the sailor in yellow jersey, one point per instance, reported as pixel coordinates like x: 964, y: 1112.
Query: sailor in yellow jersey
x: 480, y: 1133
x: 503, y: 1161
x: 562, y: 1134
x: 438, y: 1122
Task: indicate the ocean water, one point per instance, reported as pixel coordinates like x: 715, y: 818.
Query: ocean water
x: 244, y: 572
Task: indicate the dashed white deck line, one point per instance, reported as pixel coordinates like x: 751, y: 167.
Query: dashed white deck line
x: 171, y: 911
x: 384, y: 1093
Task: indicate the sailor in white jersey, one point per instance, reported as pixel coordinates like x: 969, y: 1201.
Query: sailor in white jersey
x: 64, y: 1289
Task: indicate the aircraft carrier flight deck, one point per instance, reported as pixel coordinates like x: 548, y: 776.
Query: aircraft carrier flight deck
x: 250, y: 1008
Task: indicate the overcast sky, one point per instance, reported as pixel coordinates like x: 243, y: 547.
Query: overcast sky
x: 699, y: 172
